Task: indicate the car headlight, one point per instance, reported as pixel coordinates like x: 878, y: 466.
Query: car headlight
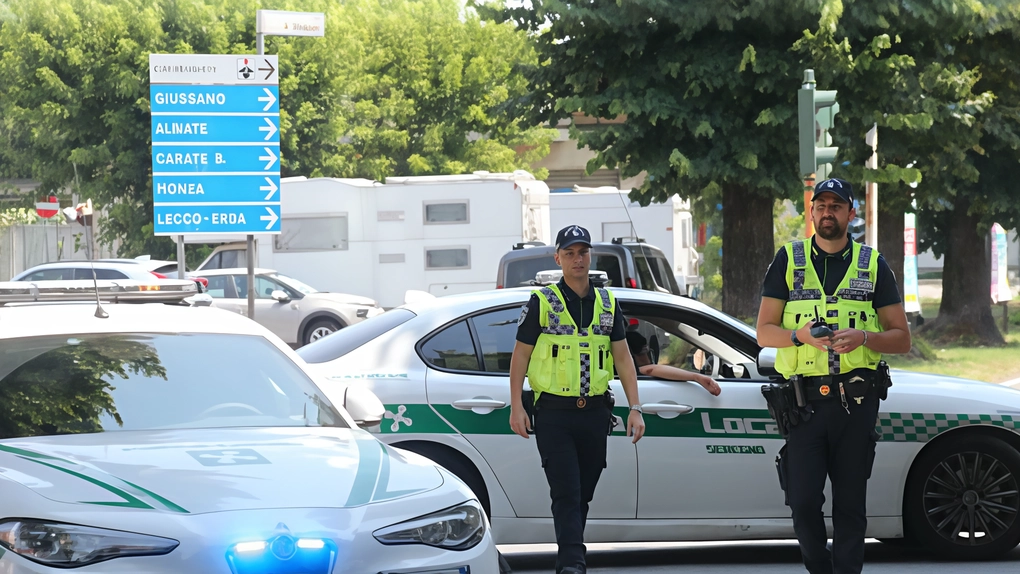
x: 71, y: 545
x: 457, y: 528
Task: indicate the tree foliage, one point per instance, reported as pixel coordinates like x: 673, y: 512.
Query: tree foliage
x: 396, y: 87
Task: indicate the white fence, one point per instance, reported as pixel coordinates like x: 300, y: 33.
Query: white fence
x: 25, y: 246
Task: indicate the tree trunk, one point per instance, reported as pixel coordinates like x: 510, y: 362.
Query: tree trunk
x: 965, y: 315
x: 747, y: 248
x: 890, y: 241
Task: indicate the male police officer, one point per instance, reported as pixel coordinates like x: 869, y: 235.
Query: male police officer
x: 850, y: 288
x: 568, y: 338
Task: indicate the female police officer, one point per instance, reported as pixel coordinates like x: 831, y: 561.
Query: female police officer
x: 848, y: 287
x: 568, y: 338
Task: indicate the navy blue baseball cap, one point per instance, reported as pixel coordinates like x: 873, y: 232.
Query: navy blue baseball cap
x: 841, y: 188
x: 572, y: 235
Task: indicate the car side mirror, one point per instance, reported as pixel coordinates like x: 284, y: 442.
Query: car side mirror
x: 767, y: 362
x: 280, y: 296
x: 364, y: 407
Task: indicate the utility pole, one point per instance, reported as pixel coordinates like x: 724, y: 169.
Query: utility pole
x: 871, y: 191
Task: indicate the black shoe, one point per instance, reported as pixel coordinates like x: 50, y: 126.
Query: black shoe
x: 572, y: 570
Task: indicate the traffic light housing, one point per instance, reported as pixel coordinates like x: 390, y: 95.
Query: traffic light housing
x: 816, y: 112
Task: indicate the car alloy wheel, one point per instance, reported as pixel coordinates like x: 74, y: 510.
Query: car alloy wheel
x: 321, y: 328
x: 971, y: 498
x: 963, y: 497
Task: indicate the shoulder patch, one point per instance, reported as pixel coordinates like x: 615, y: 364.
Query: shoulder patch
x: 524, y: 315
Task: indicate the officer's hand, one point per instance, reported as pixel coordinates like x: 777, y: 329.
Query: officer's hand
x: 846, y: 340
x: 635, y: 426
x: 804, y: 336
x: 519, y: 421
x: 710, y: 385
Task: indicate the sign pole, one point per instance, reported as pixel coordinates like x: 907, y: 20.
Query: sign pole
x: 871, y: 191
x: 260, y: 49
x: 181, y: 271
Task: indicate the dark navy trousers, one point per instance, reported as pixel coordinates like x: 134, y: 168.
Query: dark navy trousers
x: 572, y: 444
x: 839, y: 446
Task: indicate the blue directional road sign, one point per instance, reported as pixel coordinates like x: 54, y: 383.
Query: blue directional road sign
x: 182, y: 219
x: 204, y: 189
x: 215, y: 144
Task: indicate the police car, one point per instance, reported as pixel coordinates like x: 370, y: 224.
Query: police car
x: 173, y: 438
x: 945, y: 475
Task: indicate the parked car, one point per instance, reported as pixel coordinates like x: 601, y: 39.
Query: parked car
x: 166, y: 439
x: 72, y: 269
x: 632, y: 264
x: 946, y: 475
x: 296, y: 312
x: 160, y: 266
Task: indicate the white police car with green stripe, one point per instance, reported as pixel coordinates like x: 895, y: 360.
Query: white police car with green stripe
x: 946, y: 474
x: 170, y: 439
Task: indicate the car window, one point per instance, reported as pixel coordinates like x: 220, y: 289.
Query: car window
x: 168, y: 268
x: 611, y: 265
x: 647, y: 282
x: 213, y: 262
x: 86, y: 273
x: 452, y: 348
x: 240, y: 285
x: 232, y: 258
x: 50, y: 275
x: 497, y: 335
x: 521, y: 272
x: 350, y: 338
x: 670, y: 279
x: 94, y: 383
x: 221, y: 286
x: 264, y: 288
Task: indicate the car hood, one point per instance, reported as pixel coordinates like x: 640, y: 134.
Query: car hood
x: 913, y: 391
x: 209, y: 470
x: 343, y: 298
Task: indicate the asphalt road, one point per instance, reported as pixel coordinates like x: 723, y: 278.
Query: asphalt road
x: 762, y: 557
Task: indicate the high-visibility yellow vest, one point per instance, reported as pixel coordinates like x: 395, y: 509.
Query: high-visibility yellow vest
x: 568, y: 360
x: 849, y: 308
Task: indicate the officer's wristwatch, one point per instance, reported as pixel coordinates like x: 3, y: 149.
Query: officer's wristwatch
x: 637, y: 408
x: 796, y: 341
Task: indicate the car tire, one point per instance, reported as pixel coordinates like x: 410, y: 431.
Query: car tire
x: 962, y: 499
x: 319, y: 328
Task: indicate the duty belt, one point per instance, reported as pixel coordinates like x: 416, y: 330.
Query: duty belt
x: 550, y: 401
x: 824, y: 388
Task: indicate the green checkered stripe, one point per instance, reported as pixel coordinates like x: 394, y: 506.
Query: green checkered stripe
x: 922, y: 427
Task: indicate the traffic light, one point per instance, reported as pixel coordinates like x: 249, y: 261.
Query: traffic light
x: 817, y: 111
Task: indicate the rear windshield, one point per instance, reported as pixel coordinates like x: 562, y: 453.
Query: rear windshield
x: 347, y: 339
x: 521, y: 272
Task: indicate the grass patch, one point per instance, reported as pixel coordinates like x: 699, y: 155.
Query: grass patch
x: 992, y: 364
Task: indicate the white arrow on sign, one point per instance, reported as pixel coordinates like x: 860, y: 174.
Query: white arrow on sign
x: 271, y: 158
x: 271, y: 217
x: 269, y: 127
x: 269, y: 98
x: 271, y: 188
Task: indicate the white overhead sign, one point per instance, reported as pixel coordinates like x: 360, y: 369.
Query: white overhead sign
x: 213, y: 69
x: 283, y: 23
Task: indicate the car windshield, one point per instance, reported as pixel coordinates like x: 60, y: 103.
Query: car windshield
x: 294, y: 284
x: 92, y: 383
x: 522, y: 272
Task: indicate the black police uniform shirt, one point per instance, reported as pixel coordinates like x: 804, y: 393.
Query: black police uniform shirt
x: 581, y: 310
x: 831, y: 268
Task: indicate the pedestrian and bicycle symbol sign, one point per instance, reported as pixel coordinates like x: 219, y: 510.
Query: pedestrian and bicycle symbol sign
x: 215, y: 143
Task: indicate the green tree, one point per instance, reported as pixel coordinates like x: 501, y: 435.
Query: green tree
x: 708, y: 90
x: 939, y: 81
x: 397, y: 87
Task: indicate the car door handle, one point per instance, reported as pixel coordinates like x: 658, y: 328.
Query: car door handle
x: 667, y: 409
x: 478, y: 403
